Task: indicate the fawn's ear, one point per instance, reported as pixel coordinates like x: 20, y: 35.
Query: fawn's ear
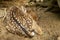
x: 23, y: 9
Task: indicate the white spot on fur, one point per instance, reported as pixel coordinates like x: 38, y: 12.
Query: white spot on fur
x: 12, y: 22
x: 16, y: 18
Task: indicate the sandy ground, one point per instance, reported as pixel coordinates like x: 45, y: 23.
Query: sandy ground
x: 48, y: 21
